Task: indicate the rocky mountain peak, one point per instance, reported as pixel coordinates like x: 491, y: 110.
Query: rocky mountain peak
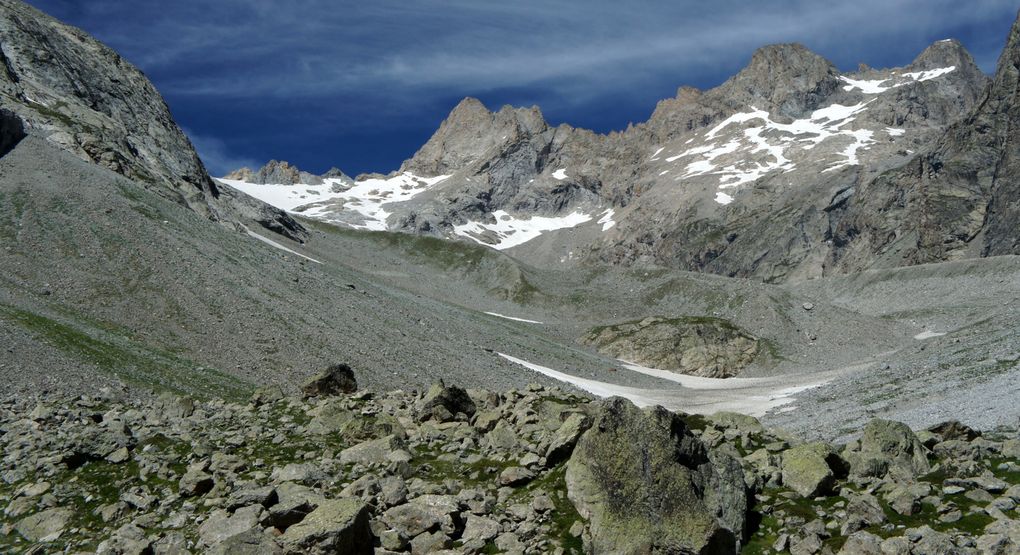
x: 784, y: 78
x: 944, y: 53
x: 469, y: 132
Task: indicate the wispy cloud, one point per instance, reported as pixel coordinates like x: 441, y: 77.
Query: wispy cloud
x: 393, y: 63
x: 217, y: 156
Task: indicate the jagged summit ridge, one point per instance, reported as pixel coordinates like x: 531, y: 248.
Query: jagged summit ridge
x: 714, y: 181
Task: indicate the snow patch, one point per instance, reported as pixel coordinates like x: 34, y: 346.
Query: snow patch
x: 597, y: 388
x: 560, y: 174
x: 928, y: 334
x: 656, y: 153
x: 512, y: 318
x: 510, y: 231
x: 879, y: 86
x: 723, y: 198
x: 893, y: 132
x: 274, y: 244
x: 337, y: 200
x: 607, y: 220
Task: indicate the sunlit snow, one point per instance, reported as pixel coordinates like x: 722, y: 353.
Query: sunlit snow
x: 607, y: 220
x: 879, y: 86
x: 723, y: 198
x: 498, y: 315
x: 336, y: 199
x: 509, y: 231
x: 560, y: 174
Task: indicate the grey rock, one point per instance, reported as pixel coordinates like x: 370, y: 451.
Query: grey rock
x: 442, y: 403
x: 642, y: 482
x: 335, y: 526
x: 708, y: 347
x: 888, y: 449
x: 338, y: 379
x: 371, y: 452
x: 811, y: 469
x: 44, y: 526
x: 222, y: 525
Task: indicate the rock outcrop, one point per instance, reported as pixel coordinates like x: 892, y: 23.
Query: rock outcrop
x: 83, y: 97
x: 708, y: 347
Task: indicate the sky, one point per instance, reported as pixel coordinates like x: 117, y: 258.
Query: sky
x: 360, y: 85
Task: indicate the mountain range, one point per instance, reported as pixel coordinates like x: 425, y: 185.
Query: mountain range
x: 758, y: 278
x: 788, y: 170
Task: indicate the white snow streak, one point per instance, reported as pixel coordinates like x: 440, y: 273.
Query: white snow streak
x: 274, y: 244
x: 512, y: 318
x: 607, y: 220
x: 560, y: 174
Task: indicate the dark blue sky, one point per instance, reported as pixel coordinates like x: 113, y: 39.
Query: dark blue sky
x: 362, y: 84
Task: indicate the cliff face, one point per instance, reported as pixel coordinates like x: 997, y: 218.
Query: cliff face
x: 82, y: 96
x: 960, y: 199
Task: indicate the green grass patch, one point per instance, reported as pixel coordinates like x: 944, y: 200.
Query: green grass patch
x: 129, y: 361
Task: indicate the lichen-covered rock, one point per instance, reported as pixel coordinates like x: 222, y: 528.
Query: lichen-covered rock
x: 811, y: 469
x: 709, y: 347
x: 335, y: 526
x: 644, y: 484
x: 44, y: 526
x: 887, y: 448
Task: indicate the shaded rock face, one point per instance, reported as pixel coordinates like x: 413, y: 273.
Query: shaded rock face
x: 960, y: 199
x: 647, y: 485
x: 708, y: 347
x: 83, y: 97
x: 12, y: 130
x: 338, y: 379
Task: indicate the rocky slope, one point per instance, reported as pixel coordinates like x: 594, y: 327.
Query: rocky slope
x: 83, y: 97
x: 455, y: 471
x: 791, y: 169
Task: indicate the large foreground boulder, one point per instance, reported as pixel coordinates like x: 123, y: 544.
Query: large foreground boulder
x: 887, y: 449
x: 645, y: 484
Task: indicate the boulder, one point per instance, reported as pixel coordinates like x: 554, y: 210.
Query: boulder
x: 221, y: 525
x: 811, y: 469
x: 44, y: 526
x: 335, y: 526
x: 887, y: 449
x: 862, y: 543
x: 646, y: 484
x: 371, y: 452
x: 338, y: 379
x: 423, y: 514
x: 443, y: 403
x: 565, y: 438
x: 953, y: 429
x: 862, y: 510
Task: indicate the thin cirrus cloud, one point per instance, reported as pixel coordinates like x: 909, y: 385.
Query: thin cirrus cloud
x: 358, y: 74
